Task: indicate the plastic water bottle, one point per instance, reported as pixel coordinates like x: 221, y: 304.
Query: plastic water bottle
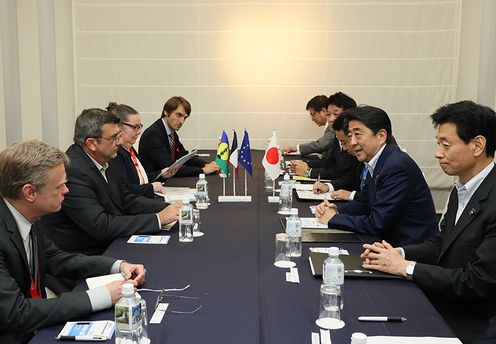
x: 202, y: 192
x: 144, y: 323
x: 286, y: 195
x: 269, y: 184
x: 186, y: 222
x: 293, y: 229
x: 128, y: 317
x: 333, y: 273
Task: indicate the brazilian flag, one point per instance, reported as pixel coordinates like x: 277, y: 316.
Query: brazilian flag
x: 222, y: 157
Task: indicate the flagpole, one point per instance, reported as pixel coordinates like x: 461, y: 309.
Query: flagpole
x: 234, y: 181
x: 223, y: 186
x: 273, y: 188
x: 246, y: 186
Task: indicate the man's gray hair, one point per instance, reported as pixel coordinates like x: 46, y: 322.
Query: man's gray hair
x: 89, y: 124
x: 28, y: 162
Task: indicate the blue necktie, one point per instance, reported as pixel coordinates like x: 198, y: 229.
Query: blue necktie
x: 363, y: 177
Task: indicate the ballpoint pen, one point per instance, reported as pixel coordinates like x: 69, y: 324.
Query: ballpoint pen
x: 381, y: 318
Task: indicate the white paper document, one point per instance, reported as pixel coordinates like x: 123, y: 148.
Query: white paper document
x: 312, y: 222
x: 342, y: 252
x: 309, y: 195
x: 149, y: 239
x: 100, y: 281
x: 177, y: 194
x: 411, y: 340
x: 303, y: 187
x: 179, y: 162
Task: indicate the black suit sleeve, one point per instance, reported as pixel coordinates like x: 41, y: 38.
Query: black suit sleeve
x: 123, y: 170
x: 82, y: 205
x: 472, y: 282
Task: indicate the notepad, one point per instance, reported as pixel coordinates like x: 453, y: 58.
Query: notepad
x: 87, y: 330
x: 149, y: 239
x: 100, y: 281
x: 310, y: 196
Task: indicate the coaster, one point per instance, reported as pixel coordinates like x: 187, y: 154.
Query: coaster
x: 330, y: 323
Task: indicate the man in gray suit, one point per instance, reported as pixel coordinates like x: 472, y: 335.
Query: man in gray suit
x: 317, y: 107
x: 457, y: 268
x: 32, y: 184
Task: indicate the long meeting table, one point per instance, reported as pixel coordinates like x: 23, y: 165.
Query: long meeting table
x: 245, y: 299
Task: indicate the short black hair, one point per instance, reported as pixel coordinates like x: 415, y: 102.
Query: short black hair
x: 340, y: 124
x: 89, y: 124
x: 341, y: 100
x: 317, y: 103
x: 372, y: 117
x: 471, y: 120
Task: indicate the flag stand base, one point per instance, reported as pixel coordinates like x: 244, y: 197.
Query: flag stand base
x: 225, y: 199
x: 273, y: 199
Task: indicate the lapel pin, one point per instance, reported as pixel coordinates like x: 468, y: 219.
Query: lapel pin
x: 472, y: 212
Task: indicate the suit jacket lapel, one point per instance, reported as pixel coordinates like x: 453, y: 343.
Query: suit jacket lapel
x: 471, y: 211
x: 372, y: 181
x: 15, y: 236
x: 99, y: 179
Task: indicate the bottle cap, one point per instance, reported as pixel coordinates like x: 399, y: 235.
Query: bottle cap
x: 294, y: 211
x: 127, y: 289
x: 185, y: 201
x: 202, y: 175
x: 334, y: 251
x: 358, y: 338
x: 286, y: 176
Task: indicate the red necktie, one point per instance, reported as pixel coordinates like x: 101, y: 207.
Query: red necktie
x: 136, y: 165
x: 35, y: 289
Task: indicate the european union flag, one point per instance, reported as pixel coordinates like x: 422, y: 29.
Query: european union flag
x: 244, y: 157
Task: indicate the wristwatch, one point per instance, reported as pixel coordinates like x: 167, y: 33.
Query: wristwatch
x: 409, y: 270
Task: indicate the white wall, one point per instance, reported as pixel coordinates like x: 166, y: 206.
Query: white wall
x: 243, y: 64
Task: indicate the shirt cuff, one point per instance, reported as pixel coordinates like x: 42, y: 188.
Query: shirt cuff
x: 352, y: 196
x: 402, y: 252
x: 99, y: 298
x: 331, y: 187
x: 116, y: 267
x: 297, y: 149
x: 159, y: 223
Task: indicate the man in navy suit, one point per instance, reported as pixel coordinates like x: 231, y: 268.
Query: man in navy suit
x: 457, y: 268
x: 396, y: 203
x: 160, y: 146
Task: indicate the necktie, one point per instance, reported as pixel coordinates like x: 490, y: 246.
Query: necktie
x: 172, y: 142
x: 363, y: 177
x: 35, y: 289
x: 136, y: 165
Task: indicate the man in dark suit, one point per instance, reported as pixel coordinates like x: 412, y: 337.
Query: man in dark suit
x: 335, y: 160
x: 396, y: 193
x: 98, y: 209
x: 351, y: 183
x: 160, y: 146
x: 317, y: 108
x: 457, y: 268
x: 32, y: 183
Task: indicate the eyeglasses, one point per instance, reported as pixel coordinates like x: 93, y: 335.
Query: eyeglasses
x: 163, y: 295
x: 134, y: 126
x: 114, y: 138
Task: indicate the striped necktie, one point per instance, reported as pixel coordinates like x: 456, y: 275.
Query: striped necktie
x: 172, y: 143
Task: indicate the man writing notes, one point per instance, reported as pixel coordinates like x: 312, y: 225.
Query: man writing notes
x: 98, y: 209
x: 396, y: 192
x: 317, y: 107
x: 32, y: 184
x: 160, y: 146
x: 336, y: 162
x: 457, y: 268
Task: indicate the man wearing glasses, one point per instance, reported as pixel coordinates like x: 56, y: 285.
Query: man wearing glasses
x: 98, y: 209
x: 160, y: 146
